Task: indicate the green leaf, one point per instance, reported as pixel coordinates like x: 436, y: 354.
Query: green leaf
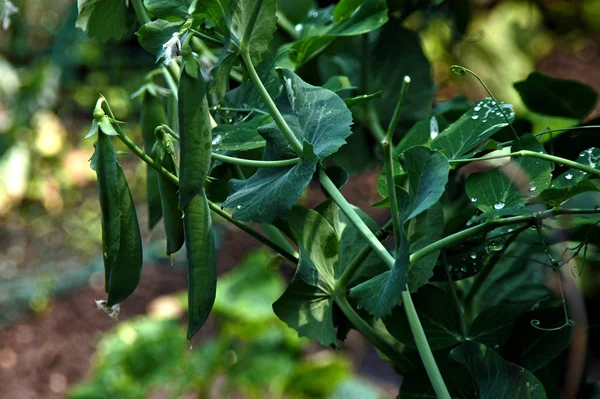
x: 572, y: 181
x: 106, y: 126
x: 262, y: 30
x: 169, y: 9
x: 202, y: 265
x: 473, y: 128
x: 417, y: 385
x: 240, y: 136
x: 513, y: 184
x: 397, y: 53
x: 154, y: 34
x: 152, y: 114
x: 220, y: 74
x: 93, y: 129
x: 353, y: 101
x: 307, y: 304
x: 494, y: 376
x: 248, y: 292
x: 320, y: 119
x: 196, y: 137
x: 126, y: 270
x: 557, y: 97
x: 344, y: 9
x: 210, y: 9
x: 494, y: 325
x: 438, y: 316
x: 338, y: 83
x: 104, y: 19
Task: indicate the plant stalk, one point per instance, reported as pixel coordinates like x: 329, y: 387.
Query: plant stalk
x: 285, y: 24
x: 254, y: 163
x: 140, y: 12
x: 272, y: 108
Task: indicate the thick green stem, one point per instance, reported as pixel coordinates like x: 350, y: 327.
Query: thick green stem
x: 401, y: 361
x: 286, y: 25
x: 415, y: 325
x: 533, y: 154
x: 255, y: 164
x: 140, y: 11
x: 271, y: 107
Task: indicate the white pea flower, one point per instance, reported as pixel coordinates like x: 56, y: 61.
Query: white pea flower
x: 172, y: 48
x: 9, y: 9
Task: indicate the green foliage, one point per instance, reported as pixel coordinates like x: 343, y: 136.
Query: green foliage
x: 104, y: 19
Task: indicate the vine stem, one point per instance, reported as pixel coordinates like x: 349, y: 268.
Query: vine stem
x: 140, y: 11
x: 272, y: 108
x: 286, y: 25
x: 401, y: 361
x: 533, y: 154
x: 411, y: 313
x: 214, y: 207
x: 254, y: 163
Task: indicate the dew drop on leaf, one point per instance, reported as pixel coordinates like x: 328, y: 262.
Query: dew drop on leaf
x: 474, y: 116
x: 473, y: 199
x: 569, y: 176
x: 494, y: 246
x: 499, y: 205
x: 532, y: 188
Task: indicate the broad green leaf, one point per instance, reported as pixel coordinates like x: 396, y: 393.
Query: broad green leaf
x: 169, y: 9
x: 572, y: 181
x: 338, y: 83
x: 557, y: 97
x: 152, y: 114
x: 213, y: 10
x: 262, y: 30
x: 220, y: 74
x: 248, y: 292
x: 494, y: 377
x: 320, y: 28
x: 196, y: 136
x: 438, y: 316
x: 397, y: 53
x: 474, y: 128
x: 512, y: 184
x: 307, y: 304
x: 104, y: 162
x: 240, y: 136
x: 493, y: 326
x: 202, y: 265
x: 126, y: 270
x: 154, y: 34
x: 344, y: 9
x: 104, y: 19
x: 319, y: 119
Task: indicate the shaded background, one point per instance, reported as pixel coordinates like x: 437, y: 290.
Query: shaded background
x: 50, y: 233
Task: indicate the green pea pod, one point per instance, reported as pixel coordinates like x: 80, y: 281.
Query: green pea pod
x: 152, y: 114
x: 196, y: 135
x: 105, y: 164
x: 170, y: 206
x: 202, y: 266
x: 125, y: 272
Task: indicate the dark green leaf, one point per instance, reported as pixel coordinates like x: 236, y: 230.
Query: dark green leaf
x: 210, y: 9
x: 169, y: 9
x: 152, y: 115
x: 473, y: 129
x: 494, y: 376
x: 220, y: 73
x: 557, y: 196
x: 493, y: 326
x: 307, y: 304
x: 154, y: 34
x: 196, y: 137
x: 240, y: 136
x: 557, y: 97
x: 202, y: 266
x: 417, y: 385
x: 351, y: 102
x: 104, y: 19
x: 338, y: 83
x: 438, y: 316
x: 512, y: 184
x: 262, y: 30
x: 320, y: 119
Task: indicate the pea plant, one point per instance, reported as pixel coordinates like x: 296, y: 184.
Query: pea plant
x: 469, y: 290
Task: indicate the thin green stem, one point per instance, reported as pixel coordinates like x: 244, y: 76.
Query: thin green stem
x: 272, y: 108
x: 255, y: 164
x: 398, y: 109
x: 245, y: 43
x: 203, y: 36
x: 170, y: 81
x: 166, y: 129
x: 533, y: 154
x: 401, y: 361
x: 277, y: 237
x: 459, y: 311
x: 259, y: 111
x: 140, y: 11
x: 415, y: 325
x: 285, y: 24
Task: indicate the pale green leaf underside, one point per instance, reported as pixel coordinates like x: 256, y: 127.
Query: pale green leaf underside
x: 262, y: 30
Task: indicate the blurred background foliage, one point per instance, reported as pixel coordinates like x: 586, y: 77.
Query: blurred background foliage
x: 50, y: 77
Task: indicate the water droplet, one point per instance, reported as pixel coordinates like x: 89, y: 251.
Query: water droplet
x: 477, y: 108
x: 597, y: 207
x: 496, y: 346
x: 494, y: 246
x: 434, y: 129
x: 568, y: 176
x: 298, y: 28
x: 314, y: 14
x: 463, y: 269
x: 499, y: 205
x: 533, y: 387
x: 473, y: 256
x: 510, y: 230
x: 582, y: 154
x: 474, y: 116
x: 217, y: 140
x: 532, y: 188
x: 239, y: 207
x: 473, y: 199
x: 191, y: 346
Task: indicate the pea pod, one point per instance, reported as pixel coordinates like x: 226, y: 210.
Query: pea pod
x: 195, y: 131
x: 169, y: 197
x: 152, y: 115
x: 105, y: 164
x: 202, y: 267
